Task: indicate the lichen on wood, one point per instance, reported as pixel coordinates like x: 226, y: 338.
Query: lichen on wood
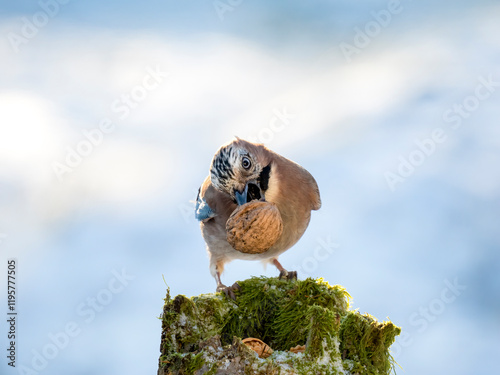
x: 202, y: 334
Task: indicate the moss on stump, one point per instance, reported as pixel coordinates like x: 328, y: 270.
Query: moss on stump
x: 202, y: 334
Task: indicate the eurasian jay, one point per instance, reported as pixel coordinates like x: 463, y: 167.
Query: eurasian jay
x: 240, y: 172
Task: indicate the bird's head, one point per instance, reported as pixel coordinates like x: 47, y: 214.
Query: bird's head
x: 241, y: 170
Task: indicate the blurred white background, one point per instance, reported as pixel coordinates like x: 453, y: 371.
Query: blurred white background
x: 110, y: 114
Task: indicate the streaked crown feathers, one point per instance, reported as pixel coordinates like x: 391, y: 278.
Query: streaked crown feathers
x: 233, y: 163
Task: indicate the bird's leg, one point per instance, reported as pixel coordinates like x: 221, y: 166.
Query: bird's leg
x: 219, y: 283
x: 228, y: 291
x: 284, y: 274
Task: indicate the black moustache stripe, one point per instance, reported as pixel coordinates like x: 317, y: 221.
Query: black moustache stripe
x: 264, y: 177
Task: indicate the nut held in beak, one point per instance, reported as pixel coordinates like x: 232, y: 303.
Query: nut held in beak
x: 254, y: 227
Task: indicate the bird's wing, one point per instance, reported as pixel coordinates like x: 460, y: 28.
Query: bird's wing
x: 203, y: 212
x: 211, y: 203
x: 316, y: 199
x: 292, y: 177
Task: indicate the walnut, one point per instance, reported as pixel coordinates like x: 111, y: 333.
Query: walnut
x: 254, y: 227
x: 260, y: 347
x: 298, y: 349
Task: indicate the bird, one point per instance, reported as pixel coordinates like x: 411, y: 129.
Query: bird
x: 243, y: 171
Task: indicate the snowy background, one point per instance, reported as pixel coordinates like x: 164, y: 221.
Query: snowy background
x: 353, y: 92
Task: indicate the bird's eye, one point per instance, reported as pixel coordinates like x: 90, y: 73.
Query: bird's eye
x: 246, y: 163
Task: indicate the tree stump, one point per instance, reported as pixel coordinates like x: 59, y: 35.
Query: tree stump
x: 203, y: 334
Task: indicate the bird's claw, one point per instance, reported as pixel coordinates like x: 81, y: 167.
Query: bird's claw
x: 229, y: 290
x: 288, y: 275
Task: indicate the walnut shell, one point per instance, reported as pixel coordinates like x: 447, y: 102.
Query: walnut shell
x: 254, y: 227
x: 298, y: 349
x: 260, y: 347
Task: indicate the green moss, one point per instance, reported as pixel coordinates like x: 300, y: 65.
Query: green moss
x: 276, y: 311
x: 365, y: 342
x: 322, y: 331
x: 201, y: 334
x: 193, y: 363
x: 291, y: 324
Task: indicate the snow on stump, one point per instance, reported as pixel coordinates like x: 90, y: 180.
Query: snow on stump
x: 203, y: 334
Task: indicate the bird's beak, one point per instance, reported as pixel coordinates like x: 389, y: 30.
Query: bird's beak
x: 241, y: 197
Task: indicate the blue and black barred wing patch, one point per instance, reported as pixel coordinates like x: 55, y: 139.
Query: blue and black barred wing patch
x: 202, y: 211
